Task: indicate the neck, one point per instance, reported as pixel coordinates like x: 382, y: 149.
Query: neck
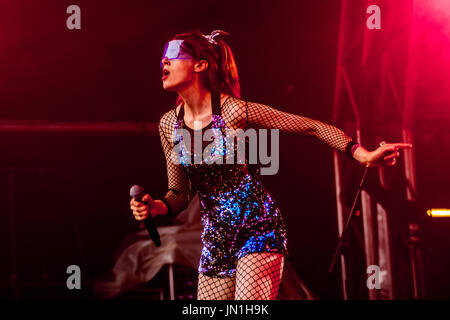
x: 197, y: 100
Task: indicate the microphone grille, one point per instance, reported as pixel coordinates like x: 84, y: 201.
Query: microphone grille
x: 136, y: 191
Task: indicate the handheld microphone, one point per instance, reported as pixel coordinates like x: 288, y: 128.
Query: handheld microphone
x: 137, y: 192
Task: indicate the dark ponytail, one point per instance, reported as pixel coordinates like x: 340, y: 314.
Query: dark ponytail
x: 227, y: 69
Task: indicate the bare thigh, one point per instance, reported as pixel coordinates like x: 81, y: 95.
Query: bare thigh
x: 258, y: 276
x: 211, y: 288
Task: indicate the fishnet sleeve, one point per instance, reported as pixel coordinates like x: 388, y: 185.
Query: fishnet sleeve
x: 261, y: 116
x: 176, y: 197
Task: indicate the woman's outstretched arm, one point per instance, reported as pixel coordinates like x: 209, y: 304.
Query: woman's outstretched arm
x: 261, y: 116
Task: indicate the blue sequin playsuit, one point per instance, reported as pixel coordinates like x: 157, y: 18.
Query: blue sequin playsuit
x: 239, y: 215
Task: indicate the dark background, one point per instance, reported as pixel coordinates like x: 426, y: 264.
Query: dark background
x: 71, y: 190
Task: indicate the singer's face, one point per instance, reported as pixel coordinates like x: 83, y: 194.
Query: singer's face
x: 177, y: 74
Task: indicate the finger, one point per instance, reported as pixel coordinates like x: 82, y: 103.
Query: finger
x: 391, y: 156
x: 389, y: 150
x: 136, y: 203
x: 143, y: 217
x: 394, y: 155
x: 139, y: 218
x: 391, y: 162
x: 134, y: 208
x: 142, y: 209
x: 140, y: 214
x: 147, y: 198
x: 403, y: 145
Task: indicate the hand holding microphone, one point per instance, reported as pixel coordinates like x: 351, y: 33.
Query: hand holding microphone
x: 145, y: 208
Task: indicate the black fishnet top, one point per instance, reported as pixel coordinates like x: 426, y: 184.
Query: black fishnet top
x: 240, y: 114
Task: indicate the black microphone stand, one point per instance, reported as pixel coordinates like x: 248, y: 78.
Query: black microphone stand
x: 347, y: 224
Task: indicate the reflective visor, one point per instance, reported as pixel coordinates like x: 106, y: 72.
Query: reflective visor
x: 173, y: 50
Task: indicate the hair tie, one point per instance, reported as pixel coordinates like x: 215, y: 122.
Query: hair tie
x: 211, y: 37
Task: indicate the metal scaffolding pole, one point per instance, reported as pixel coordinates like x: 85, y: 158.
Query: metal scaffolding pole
x: 78, y: 127
x: 367, y: 94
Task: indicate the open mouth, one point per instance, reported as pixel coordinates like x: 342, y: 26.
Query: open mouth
x: 165, y: 74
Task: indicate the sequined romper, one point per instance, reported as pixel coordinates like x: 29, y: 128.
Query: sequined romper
x: 239, y: 215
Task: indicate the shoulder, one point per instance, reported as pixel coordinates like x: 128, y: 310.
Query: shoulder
x: 231, y: 103
x: 167, y: 122
x: 239, y: 105
x: 234, y: 111
x: 169, y: 118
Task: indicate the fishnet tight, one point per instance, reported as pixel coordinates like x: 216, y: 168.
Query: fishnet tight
x: 257, y: 277
x: 240, y: 114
